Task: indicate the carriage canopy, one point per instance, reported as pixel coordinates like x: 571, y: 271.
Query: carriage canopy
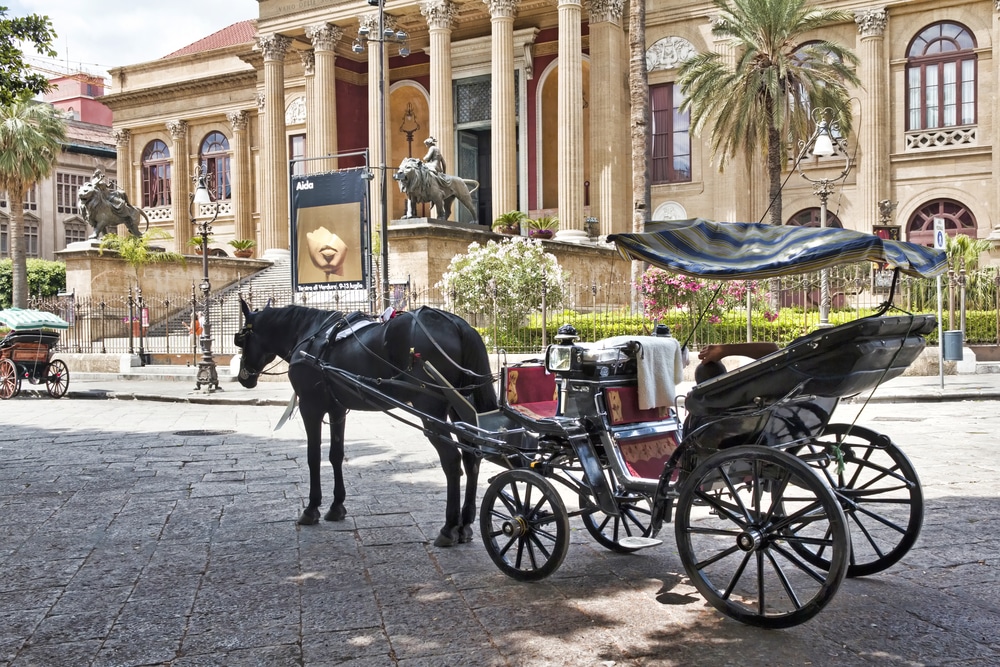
x: 750, y: 251
x: 20, y: 319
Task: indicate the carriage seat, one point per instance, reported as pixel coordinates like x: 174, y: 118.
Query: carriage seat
x: 531, y: 390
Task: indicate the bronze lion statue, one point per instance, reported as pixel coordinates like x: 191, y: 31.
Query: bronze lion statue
x: 421, y: 184
x: 104, y: 208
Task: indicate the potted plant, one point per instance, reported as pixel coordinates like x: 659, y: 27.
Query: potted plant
x: 543, y: 227
x: 243, y: 247
x: 509, y: 223
x: 195, y: 243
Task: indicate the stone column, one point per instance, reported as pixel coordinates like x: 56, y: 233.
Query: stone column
x: 608, y: 106
x: 503, y: 143
x: 440, y: 15
x: 180, y: 184
x: 123, y: 157
x: 239, y: 174
x: 570, y: 105
x: 324, y: 37
x: 274, y: 152
x: 308, y: 58
x: 378, y: 104
x: 872, y: 127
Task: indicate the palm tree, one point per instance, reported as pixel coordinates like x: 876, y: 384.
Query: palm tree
x: 760, y: 103
x: 639, y: 124
x: 31, y: 136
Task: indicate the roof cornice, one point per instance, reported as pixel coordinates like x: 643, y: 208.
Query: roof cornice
x: 191, y: 86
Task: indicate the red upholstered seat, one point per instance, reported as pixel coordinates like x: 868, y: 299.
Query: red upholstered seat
x: 531, y: 390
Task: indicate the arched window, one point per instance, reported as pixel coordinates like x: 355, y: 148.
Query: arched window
x: 214, y: 158
x: 958, y: 219
x: 156, y: 174
x: 669, y: 135
x: 941, y: 78
x: 809, y: 217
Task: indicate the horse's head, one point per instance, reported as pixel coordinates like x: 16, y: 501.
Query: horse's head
x: 254, y: 356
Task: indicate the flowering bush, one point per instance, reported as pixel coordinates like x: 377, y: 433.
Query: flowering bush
x: 666, y: 294
x: 506, y: 278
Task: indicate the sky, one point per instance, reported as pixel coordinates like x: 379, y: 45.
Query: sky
x: 96, y: 35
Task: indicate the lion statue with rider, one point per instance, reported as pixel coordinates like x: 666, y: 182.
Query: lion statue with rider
x: 105, y: 206
x: 425, y: 181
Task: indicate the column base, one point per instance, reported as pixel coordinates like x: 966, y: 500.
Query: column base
x: 572, y: 236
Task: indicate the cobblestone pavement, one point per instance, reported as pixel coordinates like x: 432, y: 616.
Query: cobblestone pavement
x: 128, y: 538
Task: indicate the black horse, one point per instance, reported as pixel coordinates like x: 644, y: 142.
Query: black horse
x: 394, y: 352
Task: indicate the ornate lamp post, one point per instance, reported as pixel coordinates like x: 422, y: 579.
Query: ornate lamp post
x: 825, y: 141
x: 207, y: 374
x: 385, y: 35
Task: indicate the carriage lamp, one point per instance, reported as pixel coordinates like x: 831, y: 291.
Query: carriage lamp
x: 559, y: 356
x: 826, y: 141
x: 208, y: 375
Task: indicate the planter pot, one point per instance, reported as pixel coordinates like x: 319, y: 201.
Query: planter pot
x: 541, y: 233
x: 245, y: 254
x: 509, y: 230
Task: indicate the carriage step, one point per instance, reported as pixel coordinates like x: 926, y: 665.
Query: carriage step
x: 639, y: 542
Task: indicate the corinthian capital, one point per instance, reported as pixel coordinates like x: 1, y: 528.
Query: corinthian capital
x: 502, y: 8
x: 273, y: 45
x: 871, y: 22
x: 238, y: 120
x: 370, y: 21
x: 324, y: 36
x: 606, y: 11
x: 441, y: 13
x: 177, y: 129
x: 122, y: 137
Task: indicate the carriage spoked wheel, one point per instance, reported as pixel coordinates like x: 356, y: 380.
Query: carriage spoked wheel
x: 10, y: 383
x: 634, y: 521
x: 524, y: 525
x: 878, y: 489
x: 57, y: 378
x: 742, y: 517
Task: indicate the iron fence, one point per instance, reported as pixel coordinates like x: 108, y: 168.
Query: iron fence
x: 156, y: 324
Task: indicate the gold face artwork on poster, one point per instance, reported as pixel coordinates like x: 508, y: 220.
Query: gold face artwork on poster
x: 329, y: 244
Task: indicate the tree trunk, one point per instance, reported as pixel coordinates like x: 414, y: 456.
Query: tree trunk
x: 774, y: 174
x: 639, y: 120
x: 19, y: 269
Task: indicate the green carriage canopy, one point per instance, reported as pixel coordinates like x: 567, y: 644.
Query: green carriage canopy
x: 21, y: 319
x: 751, y: 251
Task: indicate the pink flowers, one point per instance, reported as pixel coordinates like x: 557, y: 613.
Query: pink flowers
x: 665, y: 294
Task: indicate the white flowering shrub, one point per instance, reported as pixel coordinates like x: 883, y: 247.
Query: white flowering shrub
x: 506, y: 276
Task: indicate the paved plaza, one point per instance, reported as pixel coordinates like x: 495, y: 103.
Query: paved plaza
x: 138, y: 532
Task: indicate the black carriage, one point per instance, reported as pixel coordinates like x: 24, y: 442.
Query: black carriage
x: 26, y: 352
x: 773, y: 501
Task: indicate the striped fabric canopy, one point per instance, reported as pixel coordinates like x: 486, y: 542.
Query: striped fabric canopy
x: 748, y: 251
x: 20, y: 319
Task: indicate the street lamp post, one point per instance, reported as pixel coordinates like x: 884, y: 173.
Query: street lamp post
x: 385, y: 35
x: 825, y: 141
x: 208, y: 375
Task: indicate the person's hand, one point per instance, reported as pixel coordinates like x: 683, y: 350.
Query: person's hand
x: 327, y: 251
x: 712, y: 352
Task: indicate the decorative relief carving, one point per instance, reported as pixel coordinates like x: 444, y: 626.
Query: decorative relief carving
x: 238, y: 120
x: 295, y: 112
x: 872, y: 22
x: 668, y: 53
x: 606, y: 11
x: 324, y: 36
x: 259, y: 97
x: 308, y: 61
x: 442, y: 13
x: 273, y: 46
x: 955, y: 136
x: 122, y: 137
x: 177, y: 129
x: 502, y: 8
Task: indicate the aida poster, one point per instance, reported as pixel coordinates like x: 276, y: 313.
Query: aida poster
x: 329, y: 231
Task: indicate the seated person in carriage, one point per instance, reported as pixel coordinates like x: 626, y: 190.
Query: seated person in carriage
x: 711, y: 357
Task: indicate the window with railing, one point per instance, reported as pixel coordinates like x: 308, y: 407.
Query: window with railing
x: 215, y: 163
x: 670, y: 136
x: 67, y: 186
x: 155, y: 175
x: 941, y: 78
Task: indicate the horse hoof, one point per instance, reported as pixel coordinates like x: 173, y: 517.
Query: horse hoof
x: 447, y: 538
x: 336, y: 513
x: 466, y: 535
x: 308, y: 518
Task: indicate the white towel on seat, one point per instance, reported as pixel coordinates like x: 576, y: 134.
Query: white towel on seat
x: 660, y: 368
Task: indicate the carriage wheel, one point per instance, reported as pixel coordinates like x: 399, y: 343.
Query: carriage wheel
x: 57, y: 378
x: 524, y: 525
x: 10, y: 383
x: 634, y: 520
x: 740, y: 515
x: 879, y: 491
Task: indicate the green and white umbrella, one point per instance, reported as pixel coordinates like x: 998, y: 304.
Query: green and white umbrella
x: 20, y: 319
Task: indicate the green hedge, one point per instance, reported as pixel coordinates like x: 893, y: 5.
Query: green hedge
x: 45, y: 278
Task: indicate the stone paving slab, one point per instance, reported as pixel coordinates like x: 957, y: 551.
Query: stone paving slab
x: 123, y: 543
